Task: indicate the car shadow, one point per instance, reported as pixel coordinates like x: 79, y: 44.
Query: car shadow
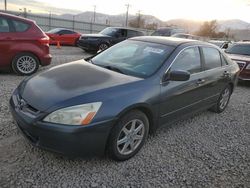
x: 244, y: 83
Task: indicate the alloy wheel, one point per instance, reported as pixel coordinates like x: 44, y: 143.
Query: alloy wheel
x: 224, y: 98
x: 26, y: 64
x: 130, y: 136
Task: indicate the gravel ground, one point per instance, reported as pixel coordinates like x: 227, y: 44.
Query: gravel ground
x: 207, y: 150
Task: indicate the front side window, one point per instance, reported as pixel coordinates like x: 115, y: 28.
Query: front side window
x: 4, y: 25
x: 132, y: 33
x: 20, y: 26
x: 188, y: 60
x: 211, y: 57
x: 135, y: 58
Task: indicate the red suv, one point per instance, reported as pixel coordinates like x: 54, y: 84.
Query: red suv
x: 240, y: 53
x: 23, y: 45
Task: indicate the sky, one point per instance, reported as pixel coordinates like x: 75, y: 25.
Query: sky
x: 162, y: 9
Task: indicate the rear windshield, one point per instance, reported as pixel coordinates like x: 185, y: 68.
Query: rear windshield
x: 52, y: 31
x: 241, y: 49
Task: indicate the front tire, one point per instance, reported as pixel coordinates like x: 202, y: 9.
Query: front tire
x: 103, y: 46
x: 223, y: 100
x: 25, y: 64
x: 128, y: 136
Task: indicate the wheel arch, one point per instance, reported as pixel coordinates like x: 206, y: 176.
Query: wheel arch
x: 28, y: 52
x: 146, y: 109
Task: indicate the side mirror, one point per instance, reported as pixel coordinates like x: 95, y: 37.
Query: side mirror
x: 178, y: 75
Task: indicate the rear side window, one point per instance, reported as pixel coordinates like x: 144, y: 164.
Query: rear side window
x: 212, y: 58
x: 20, y: 26
x: 4, y: 25
x: 188, y: 60
x: 121, y: 33
x: 132, y: 33
x: 223, y: 61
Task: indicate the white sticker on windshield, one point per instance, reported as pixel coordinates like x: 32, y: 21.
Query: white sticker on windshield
x: 154, y: 50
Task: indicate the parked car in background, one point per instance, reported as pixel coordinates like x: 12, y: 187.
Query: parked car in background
x: 240, y: 53
x: 222, y: 44
x: 23, y: 45
x: 167, y: 31
x: 113, y: 101
x: 64, y: 36
x: 186, y: 36
x: 106, y: 38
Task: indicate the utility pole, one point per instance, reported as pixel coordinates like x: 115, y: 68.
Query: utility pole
x: 127, y: 5
x: 5, y: 5
x: 94, y: 12
x: 73, y: 22
x: 139, y: 18
x: 50, y: 15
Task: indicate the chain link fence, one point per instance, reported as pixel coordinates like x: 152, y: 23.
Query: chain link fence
x: 48, y: 22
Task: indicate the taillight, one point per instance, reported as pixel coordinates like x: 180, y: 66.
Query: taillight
x: 44, y: 40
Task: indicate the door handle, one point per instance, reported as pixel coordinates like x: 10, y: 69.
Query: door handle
x: 200, y: 81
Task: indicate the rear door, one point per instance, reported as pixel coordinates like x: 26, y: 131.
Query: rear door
x: 181, y: 97
x: 216, y: 73
x: 6, y: 40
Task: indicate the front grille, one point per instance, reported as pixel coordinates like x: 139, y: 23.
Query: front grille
x: 241, y: 65
x: 23, y: 106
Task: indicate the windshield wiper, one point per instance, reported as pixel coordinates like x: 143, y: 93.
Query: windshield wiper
x: 114, y: 69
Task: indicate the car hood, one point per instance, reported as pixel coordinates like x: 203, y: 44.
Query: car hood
x: 98, y: 35
x: 239, y: 57
x: 67, y: 81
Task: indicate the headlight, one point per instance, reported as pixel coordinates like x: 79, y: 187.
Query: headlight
x: 74, y: 115
x: 248, y: 66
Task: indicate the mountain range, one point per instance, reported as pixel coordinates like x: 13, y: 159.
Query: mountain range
x: 189, y: 25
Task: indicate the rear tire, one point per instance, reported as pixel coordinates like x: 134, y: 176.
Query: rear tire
x: 223, y: 100
x: 25, y: 64
x: 128, y: 136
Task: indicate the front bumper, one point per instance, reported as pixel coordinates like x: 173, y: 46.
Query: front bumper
x: 87, y: 45
x: 82, y: 141
x: 244, y: 74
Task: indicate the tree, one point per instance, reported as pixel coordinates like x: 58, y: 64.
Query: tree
x: 151, y: 26
x: 208, y: 29
x: 137, y: 22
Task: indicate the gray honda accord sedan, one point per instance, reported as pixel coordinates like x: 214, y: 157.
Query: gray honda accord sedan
x: 111, y: 102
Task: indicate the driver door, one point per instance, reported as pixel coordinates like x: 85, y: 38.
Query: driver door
x: 181, y: 97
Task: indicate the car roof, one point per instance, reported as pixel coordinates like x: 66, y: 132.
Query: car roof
x: 16, y: 17
x: 171, y: 41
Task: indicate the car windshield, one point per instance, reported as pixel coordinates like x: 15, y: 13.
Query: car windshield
x: 241, y: 49
x: 109, y: 31
x: 135, y: 58
x: 53, y: 30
